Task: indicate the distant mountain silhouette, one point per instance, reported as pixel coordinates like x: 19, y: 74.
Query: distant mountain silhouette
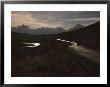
x: 22, y: 29
x: 78, y: 26
x: 59, y: 30
x: 43, y: 30
x: 47, y: 30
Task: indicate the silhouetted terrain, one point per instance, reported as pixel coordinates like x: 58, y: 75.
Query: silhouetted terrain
x: 88, y: 36
x: 55, y: 58
x: 78, y: 26
x: 39, y: 31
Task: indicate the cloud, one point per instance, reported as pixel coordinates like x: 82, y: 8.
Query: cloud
x: 82, y: 19
x: 22, y: 18
x: 64, y: 19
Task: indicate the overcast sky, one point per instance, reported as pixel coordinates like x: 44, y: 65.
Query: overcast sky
x: 64, y: 19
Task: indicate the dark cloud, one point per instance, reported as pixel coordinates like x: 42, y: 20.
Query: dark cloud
x: 66, y: 19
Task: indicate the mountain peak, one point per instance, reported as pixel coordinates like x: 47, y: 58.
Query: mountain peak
x: 23, y: 26
x: 77, y: 26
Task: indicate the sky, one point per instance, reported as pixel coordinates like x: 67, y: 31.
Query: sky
x: 53, y: 19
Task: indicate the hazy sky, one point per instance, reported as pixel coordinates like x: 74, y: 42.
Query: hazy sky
x: 64, y: 19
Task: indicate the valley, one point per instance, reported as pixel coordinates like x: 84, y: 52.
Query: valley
x: 66, y: 54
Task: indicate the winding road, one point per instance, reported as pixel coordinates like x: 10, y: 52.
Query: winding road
x: 80, y: 50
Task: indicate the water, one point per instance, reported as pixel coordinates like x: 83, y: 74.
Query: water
x: 32, y: 44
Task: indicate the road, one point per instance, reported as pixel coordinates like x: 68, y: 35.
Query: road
x: 86, y: 53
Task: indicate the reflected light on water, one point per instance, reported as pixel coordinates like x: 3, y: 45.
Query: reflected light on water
x: 32, y: 44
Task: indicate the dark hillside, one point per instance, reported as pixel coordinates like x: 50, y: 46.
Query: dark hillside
x: 87, y: 36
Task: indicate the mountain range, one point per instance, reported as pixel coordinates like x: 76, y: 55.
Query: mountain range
x: 43, y: 30
x: 39, y: 31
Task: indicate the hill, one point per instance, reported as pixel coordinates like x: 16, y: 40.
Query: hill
x: 78, y: 26
x: 88, y: 36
